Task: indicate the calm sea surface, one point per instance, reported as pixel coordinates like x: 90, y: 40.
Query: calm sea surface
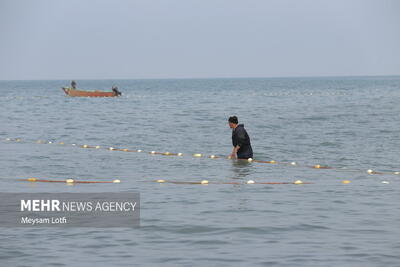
x: 351, y: 124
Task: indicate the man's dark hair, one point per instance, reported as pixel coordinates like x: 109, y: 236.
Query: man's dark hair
x: 233, y: 119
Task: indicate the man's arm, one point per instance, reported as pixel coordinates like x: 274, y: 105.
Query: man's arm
x: 234, y: 151
x: 241, y: 139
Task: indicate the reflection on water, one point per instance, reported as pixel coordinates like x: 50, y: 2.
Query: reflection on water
x: 241, y: 169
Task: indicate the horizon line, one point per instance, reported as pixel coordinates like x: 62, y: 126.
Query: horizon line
x: 219, y: 77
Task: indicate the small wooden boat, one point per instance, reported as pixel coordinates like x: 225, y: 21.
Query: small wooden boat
x: 73, y: 92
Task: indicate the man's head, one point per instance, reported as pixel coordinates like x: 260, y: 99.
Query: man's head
x: 233, y: 121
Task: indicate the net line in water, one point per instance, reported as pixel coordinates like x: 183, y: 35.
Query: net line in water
x: 200, y: 155
x: 68, y: 181
x: 160, y: 181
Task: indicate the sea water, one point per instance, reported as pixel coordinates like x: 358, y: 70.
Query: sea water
x: 351, y: 124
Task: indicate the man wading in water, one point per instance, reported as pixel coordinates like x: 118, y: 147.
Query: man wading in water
x: 240, y: 140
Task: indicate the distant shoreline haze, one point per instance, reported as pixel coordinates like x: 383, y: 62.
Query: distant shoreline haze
x: 210, y: 78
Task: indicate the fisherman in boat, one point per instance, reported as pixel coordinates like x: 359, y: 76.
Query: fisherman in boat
x: 73, y: 85
x: 240, y: 139
x: 116, y: 91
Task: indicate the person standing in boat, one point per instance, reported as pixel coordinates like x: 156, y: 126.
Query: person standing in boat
x: 73, y: 85
x: 116, y: 91
x: 240, y: 140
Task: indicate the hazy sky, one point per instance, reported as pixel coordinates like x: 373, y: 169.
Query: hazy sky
x: 81, y: 39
